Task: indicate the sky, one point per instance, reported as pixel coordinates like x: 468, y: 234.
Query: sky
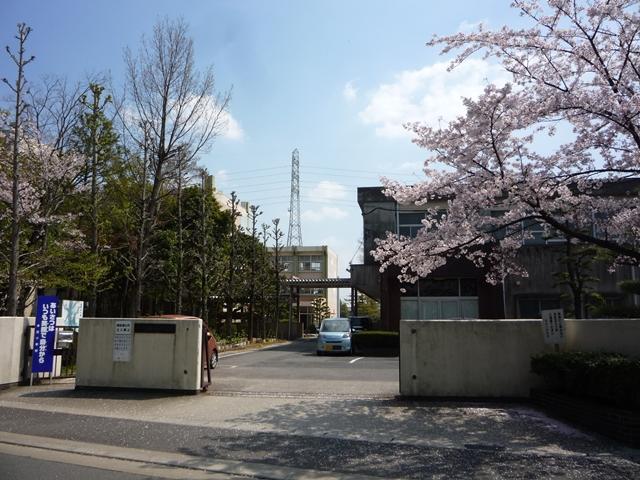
x: 335, y: 79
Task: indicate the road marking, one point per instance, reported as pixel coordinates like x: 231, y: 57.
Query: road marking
x: 356, y: 359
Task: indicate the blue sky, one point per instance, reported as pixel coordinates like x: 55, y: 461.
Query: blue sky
x: 335, y: 79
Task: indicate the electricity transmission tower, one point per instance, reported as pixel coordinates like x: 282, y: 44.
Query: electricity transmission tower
x: 295, y: 232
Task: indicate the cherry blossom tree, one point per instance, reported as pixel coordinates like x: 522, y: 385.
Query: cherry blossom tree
x: 19, y: 90
x: 48, y: 175
x: 576, y: 65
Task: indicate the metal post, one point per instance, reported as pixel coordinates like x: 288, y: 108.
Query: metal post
x: 354, y: 302
x: 298, y: 303
x: 290, y: 311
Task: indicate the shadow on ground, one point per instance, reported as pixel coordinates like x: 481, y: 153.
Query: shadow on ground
x: 106, y: 394
x: 301, y: 345
x: 411, y: 440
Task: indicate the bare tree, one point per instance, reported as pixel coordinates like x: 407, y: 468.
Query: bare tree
x: 277, y: 248
x: 182, y: 171
x: 18, y: 89
x: 263, y: 287
x: 233, y: 248
x: 172, y: 107
x: 254, y: 213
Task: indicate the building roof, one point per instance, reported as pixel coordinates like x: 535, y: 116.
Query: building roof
x: 318, y: 282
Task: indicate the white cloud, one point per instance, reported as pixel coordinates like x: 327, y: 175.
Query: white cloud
x: 467, y: 27
x: 326, y: 193
x: 327, y: 190
x: 349, y: 92
x: 410, y: 166
x: 431, y: 95
x: 324, y: 213
x: 221, y: 176
x: 232, y: 130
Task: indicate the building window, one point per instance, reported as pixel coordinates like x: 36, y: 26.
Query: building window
x: 286, y: 262
x: 312, y: 291
x: 540, y: 234
x: 440, y: 298
x: 438, y: 308
x: 409, y: 223
x: 310, y: 263
x: 532, y: 306
x: 441, y: 287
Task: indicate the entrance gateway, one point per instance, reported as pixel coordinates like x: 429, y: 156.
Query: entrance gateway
x: 295, y: 284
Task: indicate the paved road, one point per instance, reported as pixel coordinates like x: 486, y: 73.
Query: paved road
x: 255, y: 423
x: 295, y: 368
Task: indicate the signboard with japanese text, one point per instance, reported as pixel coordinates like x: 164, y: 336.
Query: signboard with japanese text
x: 553, y: 326
x: 122, y: 341
x: 44, y: 334
x: 72, y: 311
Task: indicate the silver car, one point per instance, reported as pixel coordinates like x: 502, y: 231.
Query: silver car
x: 334, y: 336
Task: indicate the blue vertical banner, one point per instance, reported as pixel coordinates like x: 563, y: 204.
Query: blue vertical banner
x: 44, y: 334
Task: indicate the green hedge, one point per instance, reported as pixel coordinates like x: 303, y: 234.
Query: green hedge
x: 375, y: 339
x: 609, y: 377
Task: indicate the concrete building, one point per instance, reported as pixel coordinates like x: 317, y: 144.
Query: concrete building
x: 312, y: 262
x: 459, y: 290
x: 242, y: 220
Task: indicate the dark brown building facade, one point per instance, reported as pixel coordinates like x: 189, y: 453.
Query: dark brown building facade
x: 459, y: 290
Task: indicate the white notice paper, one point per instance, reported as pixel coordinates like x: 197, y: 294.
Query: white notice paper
x: 122, y: 341
x: 553, y: 326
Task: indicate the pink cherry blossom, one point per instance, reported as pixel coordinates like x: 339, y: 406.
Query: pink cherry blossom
x: 578, y: 64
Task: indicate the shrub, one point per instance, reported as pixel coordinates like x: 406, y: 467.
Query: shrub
x: 609, y: 377
x: 375, y: 340
x: 616, y: 311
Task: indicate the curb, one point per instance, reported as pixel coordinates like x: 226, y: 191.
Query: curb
x: 238, y: 350
x: 68, y: 449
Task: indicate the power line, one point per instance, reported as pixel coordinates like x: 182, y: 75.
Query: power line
x: 342, y: 202
x: 371, y: 172
x: 316, y: 187
x: 245, y: 172
x: 242, y: 173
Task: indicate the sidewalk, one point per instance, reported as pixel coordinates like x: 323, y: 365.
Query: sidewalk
x: 324, y: 436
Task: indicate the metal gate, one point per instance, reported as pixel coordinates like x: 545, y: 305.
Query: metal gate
x: 64, y: 354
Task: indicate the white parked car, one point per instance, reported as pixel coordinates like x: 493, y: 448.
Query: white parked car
x: 334, y: 336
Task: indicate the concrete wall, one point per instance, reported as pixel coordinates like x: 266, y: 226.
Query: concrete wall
x: 491, y: 358
x: 158, y: 360
x: 12, y: 341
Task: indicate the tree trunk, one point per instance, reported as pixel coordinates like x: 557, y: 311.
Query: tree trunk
x: 136, y: 307
x: 180, y: 243
x: 14, y: 256
x: 93, y: 297
x: 204, y: 293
